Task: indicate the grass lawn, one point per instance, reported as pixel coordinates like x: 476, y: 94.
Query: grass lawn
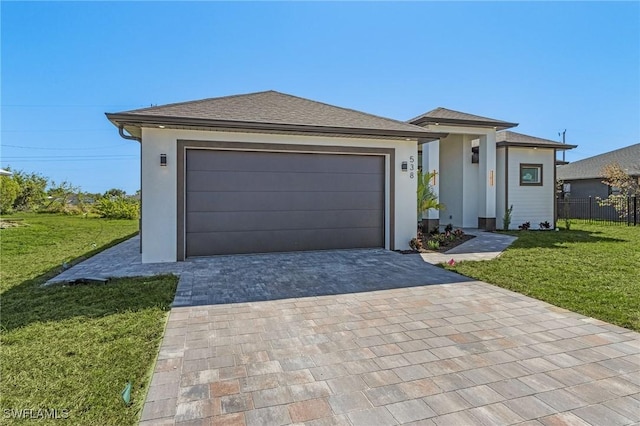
x: 73, y: 348
x: 591, y: 269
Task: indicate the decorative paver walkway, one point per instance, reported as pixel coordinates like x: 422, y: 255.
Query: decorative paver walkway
x: 452, y: 354
x: 485, y: 246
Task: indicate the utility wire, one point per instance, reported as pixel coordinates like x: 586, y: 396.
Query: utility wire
x: 68, y: 160
x: 56, y: 130
x: 66, y: 149
x: 67, y: 156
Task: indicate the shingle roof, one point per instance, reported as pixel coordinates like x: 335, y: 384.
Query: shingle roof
x: 510, y: 138
x: 448, y: 116
x: 590, y: 168
x: 270, y: 110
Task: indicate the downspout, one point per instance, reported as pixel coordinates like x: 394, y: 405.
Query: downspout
x: 134, y: 138
x: 125, y: 136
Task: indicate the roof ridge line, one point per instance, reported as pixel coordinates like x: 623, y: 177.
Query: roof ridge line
x: 350, y: 109
x: 198, y: 101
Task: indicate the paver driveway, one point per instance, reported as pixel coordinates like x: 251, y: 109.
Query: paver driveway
x: 456, y: 353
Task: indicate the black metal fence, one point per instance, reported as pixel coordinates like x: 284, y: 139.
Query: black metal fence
x: 624, y: 211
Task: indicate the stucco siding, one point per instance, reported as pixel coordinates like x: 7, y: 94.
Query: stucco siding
x: 471, y: 186
x: 159, y: 183
x: 532, y: 204
x: 451, y: 180
x: 500, y: 186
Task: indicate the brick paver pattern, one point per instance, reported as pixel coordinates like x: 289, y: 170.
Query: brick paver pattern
x: 450, y: 354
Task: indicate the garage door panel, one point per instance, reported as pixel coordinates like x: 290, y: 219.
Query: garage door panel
x: 283, y: 181
x: 234, y: 161
x: 284, y: 220
x: 279, y: 201
x: 252, y: 202
x: 277, y: 241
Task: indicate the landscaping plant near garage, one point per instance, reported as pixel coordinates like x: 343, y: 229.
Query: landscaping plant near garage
x: 590, y: 269
x: 433, y: 240
x: 68, y: 351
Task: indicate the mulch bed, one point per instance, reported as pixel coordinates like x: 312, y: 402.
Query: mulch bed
x: 446, y: 246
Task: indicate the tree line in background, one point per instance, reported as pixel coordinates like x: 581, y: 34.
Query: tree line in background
x: 32, y: 192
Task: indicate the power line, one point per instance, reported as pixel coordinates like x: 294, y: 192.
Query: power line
x: 56, y: 130
x: 69, y: 160
x: 70, y: 105
x: 69, y: 156
x: 66, y: 149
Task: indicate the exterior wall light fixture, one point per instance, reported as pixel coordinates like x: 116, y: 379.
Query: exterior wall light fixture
x: 163, y: 159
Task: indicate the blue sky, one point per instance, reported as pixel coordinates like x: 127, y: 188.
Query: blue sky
x: 548, y: 66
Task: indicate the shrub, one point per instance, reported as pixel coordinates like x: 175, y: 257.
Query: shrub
x: 32, y: 193
x: 506, y: 219
x: 415, y: 244
x: 448, y: 228
x: 567, y: 223
x: 545, y: 225
x: 9, y: 190
x: 440, y: 238
x: 118, y: 208
x: 433, y: 245
x: 525, y: 226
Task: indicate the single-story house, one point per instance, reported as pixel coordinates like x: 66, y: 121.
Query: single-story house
x: 270, y: 172
x: 483, y: 169
x: 583, y: 178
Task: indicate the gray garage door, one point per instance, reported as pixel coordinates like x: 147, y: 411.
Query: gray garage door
x: 257, y: 202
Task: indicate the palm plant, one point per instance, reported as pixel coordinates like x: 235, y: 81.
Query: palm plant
x: 427, y: 198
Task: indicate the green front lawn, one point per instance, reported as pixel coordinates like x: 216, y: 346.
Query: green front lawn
x: 73, y: 348
x: 591, y: 269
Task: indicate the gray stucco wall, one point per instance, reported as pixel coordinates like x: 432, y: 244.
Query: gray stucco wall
x: 588, y: 187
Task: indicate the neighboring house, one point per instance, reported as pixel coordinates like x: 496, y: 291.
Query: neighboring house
x: 269, y: 172
x: 4, y: 172
x: 583, y: 178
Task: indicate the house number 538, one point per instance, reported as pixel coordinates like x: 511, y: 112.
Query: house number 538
x: 412, y: 166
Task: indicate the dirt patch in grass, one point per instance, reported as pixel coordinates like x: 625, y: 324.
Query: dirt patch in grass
x: 6, y: 224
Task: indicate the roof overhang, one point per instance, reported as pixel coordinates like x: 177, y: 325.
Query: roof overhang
x: 559, y: 146
x: 133, y: 123
x: 498, y: 125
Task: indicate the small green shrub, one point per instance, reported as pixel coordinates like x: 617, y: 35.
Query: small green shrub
x: 433, y: 244
x: 9, y: 190
x: 118, y: 208
x: 506, y: 219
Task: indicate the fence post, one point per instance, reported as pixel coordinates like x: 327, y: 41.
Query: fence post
x: 590, y: 208
x: 635, y: 210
